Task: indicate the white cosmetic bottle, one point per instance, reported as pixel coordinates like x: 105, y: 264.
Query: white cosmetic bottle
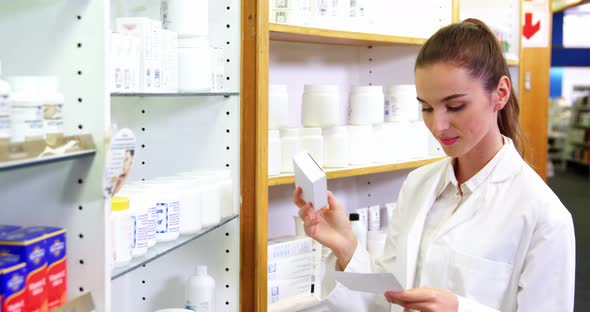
x: 200, y: 291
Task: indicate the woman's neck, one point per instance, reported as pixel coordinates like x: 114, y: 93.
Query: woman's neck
x: 466, y: 166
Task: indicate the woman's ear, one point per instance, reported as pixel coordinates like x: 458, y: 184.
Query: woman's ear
x: 502, y: 93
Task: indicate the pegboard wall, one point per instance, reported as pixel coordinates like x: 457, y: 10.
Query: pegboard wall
x: 58, y: 38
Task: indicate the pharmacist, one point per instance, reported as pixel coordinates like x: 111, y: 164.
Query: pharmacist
x: 477, y: 231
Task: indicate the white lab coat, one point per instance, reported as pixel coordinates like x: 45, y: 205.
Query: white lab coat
x: 513, y: 252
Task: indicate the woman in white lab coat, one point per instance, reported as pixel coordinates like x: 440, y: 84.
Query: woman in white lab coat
x: 478, y: 231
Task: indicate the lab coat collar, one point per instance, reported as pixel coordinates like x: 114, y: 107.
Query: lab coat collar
x: 510, y: 165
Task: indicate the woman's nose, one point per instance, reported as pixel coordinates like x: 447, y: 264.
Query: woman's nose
x: 440, y: 122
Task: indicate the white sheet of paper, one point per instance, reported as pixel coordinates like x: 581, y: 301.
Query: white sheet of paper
x: 377, y: 283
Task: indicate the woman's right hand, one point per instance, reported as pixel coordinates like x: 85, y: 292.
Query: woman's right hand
x: 329, y: 226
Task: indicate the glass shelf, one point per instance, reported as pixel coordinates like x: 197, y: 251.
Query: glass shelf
x: 179, y: 94
x: 27, y: 154
x: 161, y: 249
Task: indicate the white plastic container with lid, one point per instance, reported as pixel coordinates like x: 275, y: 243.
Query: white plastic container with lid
x: 27, y: 109
x: 188, y: 18
x: 366, y: 105
x: 290, y: 146
x: 376, y: 242
x: 140, y: 221
x: 313, y: 142
x: 385, y: 144
x: 359, y: 229
x: 226, y: 187
x: 362, y: 145
x: 53, y: 109
x: 401, y: 103
x: 146, y: 199
x: 194, y: 64
x: 321, y: 106
x: 167, y: 210
x: 274, y: 152
x: 190, y: 202
x: 278, y: 107
x: 121, y: 231
x: 336, y: 147
x: 5, y: 109
x: 200, y: 291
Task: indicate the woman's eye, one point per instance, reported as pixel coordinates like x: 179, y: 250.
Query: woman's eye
x: 427, y: 109
x: 456, y: 108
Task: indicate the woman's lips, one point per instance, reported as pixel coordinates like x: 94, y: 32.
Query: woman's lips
x: 449, y: 141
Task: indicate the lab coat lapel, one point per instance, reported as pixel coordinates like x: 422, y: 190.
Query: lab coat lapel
x: 424, y: 199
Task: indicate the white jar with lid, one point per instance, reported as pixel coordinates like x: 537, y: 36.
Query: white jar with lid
x: 385, y: 144
x: 226, y: 187
x: 53, y: 109
x: 145, y: 199
x: 366, y: 105
x: 188, y: 18
x: 290, y: 145
x: 5, y: 110
x: 321, y: 106
x: 140, y: 221
x: 121, y: 231
x: 27, y: 109
x: 167, y: 210
x: 274, y: 152
x: 278, y: 107
x: 194, y: 64
x: 362, y: 145
x: 401, y: 104
x: 190, y: 203
x: 313, y: 142
x: 336, y: 147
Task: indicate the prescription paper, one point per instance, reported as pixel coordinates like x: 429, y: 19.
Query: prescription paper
x: 377, y: 283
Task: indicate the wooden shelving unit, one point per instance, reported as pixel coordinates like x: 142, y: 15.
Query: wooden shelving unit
x: 281, y: 32
x: 357, y: 170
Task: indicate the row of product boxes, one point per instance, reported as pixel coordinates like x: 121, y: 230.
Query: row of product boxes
x: 33, y: 271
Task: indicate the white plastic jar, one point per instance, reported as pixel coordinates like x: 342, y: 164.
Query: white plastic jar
x: 362, y: 145
x: 336, y: 147
x: 274, y: 152
x: 190, y: 202
x: 194, y: 64
x: 53, y: 109
x: 321, y: 106
x: 278, y: 107
x: 384, y: 143
x: 401, y: 104
x: 188, y: 18
x: 313, y: 142
x: 167, y: 210
x: 226, y: 185
x: 366, y: 105
x: 121, y: 231
x: 27, y: 109
x: 5, y: 109
x: 290, y: 145
x: 141, y: 225
x: 145, y: 199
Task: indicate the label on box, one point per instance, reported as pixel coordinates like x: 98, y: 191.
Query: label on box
x: 12, y: 284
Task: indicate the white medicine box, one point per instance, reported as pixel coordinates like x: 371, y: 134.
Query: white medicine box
x: 312, y: 180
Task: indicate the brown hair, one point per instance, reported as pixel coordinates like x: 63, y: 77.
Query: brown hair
x: 471, y: 44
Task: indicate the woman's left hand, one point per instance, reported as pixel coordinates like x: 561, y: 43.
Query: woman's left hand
x: 424, y: 299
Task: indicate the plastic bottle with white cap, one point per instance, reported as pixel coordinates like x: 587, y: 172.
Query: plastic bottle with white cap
x: 167, y: 210
x: 200, y: 291
x: 5, y: 109
x: 53, y: 109
x: 27, y: 109
x: 121, y: 231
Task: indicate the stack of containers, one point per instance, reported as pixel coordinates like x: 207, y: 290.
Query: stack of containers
x: 320, y: 113
x: 297, y: 12
x: 162, y: 209
x: 365, y: 111
x: 190, y: 19
x: 290, y: 268
x: 403, y: 110
x: 278, y: 118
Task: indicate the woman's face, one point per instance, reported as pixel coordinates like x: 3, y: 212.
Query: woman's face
x: 456, y: 108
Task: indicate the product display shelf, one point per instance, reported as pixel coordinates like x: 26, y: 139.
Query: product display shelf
x: 302, y: 303
x: 581, y: 144
x: 581, y: 126
x: 357, y: 170
x: 178, y: 94
x: 280, y: 32
x: 161, y: 249
x: 33, y: 153
x: 513, y: 63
